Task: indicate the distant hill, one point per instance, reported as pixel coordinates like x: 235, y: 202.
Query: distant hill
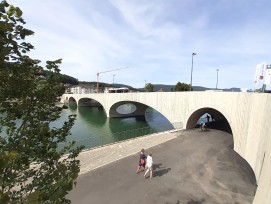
x: 102, y: 85
x: 156, y: 87
x: 195, y: 88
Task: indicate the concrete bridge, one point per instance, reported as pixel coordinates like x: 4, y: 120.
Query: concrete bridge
x: 247, y: 114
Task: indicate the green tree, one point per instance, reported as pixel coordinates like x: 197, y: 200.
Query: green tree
x: 32, y: 168
x: 149, y: 87
x: 181, y: 87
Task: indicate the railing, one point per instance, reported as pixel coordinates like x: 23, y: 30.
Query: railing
x: 99, y: 141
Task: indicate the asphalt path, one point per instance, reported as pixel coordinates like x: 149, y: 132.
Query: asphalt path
x: 194, y: 168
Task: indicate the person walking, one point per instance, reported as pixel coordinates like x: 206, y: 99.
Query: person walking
x: 142, y: 161
x: 202, y: 126
x: 149, y: 165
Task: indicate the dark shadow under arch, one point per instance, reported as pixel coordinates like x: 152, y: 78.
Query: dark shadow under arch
x: 89, y: 102
x: 72, y: 100
x: 141, y: 113
x: 220, y: 122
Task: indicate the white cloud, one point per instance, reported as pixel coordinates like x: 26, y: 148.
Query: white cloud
x: 155, y: 39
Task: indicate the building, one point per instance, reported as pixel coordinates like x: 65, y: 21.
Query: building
x: 80, y: 90
x: 116, y: 90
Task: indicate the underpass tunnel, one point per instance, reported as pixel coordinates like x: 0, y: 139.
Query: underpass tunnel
x: 219, y: 121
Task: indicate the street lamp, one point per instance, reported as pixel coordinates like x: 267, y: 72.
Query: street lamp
x: 113, y: 78
x: 217, y: 70
x: 192, y: 71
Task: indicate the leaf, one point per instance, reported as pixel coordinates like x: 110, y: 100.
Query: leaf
x: 19, y: 13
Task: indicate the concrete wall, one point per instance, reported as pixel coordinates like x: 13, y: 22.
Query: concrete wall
x: 249, y: 115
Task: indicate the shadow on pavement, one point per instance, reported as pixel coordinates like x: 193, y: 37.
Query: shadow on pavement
x: 196, y: 202
x: 159, y: 170
x: 202, y: 201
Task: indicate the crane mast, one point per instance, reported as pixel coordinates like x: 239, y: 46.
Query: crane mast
x: 98, y: 74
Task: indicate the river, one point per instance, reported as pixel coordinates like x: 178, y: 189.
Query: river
x: 92, y: 128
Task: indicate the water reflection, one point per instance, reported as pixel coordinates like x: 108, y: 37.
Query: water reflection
x: 92, y: 127
x: 92, y: 115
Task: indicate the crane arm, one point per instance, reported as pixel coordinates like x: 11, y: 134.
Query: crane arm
x: 98, y: 74
x: 111, y: 70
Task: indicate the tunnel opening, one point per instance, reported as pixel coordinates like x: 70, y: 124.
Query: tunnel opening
x: 228, y: 162
x: 212, y: 118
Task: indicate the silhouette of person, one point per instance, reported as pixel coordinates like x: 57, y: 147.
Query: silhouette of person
x: 208, y: 118
x: 212, y: 117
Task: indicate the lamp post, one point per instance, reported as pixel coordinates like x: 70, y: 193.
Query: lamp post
x: 192, y: 71
x: 113, y: 78
x: 217, y: 70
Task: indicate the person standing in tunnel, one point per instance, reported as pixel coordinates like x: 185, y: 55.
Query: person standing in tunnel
x: 208, y: 118
x: 212, y: 117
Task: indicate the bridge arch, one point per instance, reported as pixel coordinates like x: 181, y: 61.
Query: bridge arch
x: 72, y: 100
x: 220, y: 122
x: 132, y: 109
x: 89, y: 102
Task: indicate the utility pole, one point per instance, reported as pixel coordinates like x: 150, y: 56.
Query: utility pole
x: 192, y: 71
x: 98, y: 74
x: 217, y: 70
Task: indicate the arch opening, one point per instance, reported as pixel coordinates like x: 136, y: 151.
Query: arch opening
x: 212, y: 117
x: 126, y: 108
x: 72, y: 100
x: 220, y: 135
x: 88, y: 102
x: 129, y: 112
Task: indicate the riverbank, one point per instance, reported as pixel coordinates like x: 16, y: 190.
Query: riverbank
x: 97, y: 157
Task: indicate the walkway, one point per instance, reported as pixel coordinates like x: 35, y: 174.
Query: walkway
x: 192, y: 168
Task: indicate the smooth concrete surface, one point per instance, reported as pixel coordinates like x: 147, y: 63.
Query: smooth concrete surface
x: 193, y: 167
x: 248, y: 114
x: 95, y: 158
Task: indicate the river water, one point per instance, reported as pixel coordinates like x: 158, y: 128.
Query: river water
x: 92, y: 128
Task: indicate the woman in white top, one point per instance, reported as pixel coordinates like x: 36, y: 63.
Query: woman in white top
x: 149, y: 164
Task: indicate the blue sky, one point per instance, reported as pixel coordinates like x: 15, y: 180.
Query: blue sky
x: 154, y: 38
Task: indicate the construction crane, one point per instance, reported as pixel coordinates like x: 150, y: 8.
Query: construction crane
x: 98, y: 74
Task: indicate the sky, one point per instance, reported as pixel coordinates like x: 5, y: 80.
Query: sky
x: 155, y: 39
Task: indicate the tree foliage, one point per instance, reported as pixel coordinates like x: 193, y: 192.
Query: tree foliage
x: 149, y: 87
x: 181, y: 87
x: 32, y: 168
x: 69, y: 80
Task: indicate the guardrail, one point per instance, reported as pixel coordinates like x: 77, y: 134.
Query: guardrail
x: 103, y: 140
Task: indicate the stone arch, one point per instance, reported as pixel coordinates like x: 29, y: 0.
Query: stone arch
x: 221, y: 121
